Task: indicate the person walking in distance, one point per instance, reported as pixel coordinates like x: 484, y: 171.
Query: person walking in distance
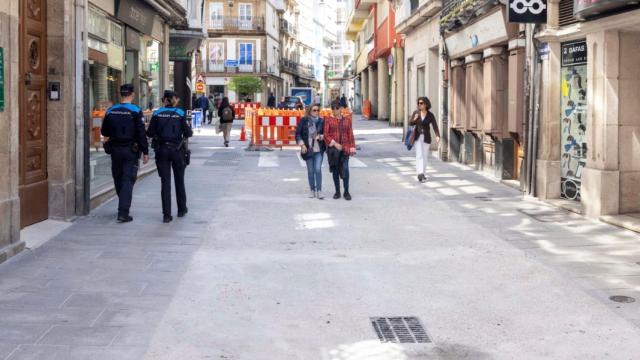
x: 212, y: 106
x: 226, y: 114
x: 310, y: 137
x: 339, y: 136
x: 123, y: 125
x: 423, y: 119
x: 169, y: 130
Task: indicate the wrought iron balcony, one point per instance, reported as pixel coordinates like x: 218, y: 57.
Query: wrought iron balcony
x: 457, y: 13
x: 234, y: 24
x: 293, y: 67
x: 255, y: 67
x: 288, y: 28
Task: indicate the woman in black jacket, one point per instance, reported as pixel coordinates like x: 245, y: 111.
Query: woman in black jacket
x: 310, y: 137
x: 226, y: 115
x: 423, y: 118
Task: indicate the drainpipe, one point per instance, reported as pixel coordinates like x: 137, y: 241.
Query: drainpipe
x: 81, y: 111
x: 444, y: 131
x: 532, y: 114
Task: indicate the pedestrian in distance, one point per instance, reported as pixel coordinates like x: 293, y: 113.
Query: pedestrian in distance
x: 282, y: 104
x: 423, y: 120
x: 202, y: 103
x: 271, y: 102
x: 123, y: 125
x: 226, y: 114
x: 341, y: 144
x: 299, y: 105
x: 310, y: 137
x: 343, y: 101
x: 169, y: 130
x: 211, y: 106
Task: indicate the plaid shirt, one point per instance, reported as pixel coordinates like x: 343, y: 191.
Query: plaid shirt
x: 343, y: 137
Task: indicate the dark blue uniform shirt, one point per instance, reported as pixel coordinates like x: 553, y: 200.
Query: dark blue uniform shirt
x: 123, y: 125
x: 169, y: 124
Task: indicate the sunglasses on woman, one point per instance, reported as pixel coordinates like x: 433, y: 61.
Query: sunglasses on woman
x: 420, y: 103
x: 314, y: 110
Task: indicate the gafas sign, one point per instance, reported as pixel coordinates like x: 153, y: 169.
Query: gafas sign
x: 528, y: 11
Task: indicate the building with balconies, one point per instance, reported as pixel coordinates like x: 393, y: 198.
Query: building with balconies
x: 340, y: 69
x: 243, y: 39
x: 371, y: 24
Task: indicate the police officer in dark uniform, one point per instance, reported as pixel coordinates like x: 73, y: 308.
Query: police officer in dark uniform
x: 124, y: 127
x: 169, y: 130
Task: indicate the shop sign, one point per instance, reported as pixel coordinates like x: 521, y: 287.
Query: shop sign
x: 489, y: 30
x: 136, y: 14
x: 574, y: 53
x: 132, y: 39
x: 543, y: 51
x: 528, y: 11
x: 231, y: 63
x: 1, y: 79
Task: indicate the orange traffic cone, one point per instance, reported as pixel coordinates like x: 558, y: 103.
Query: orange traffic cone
x: 243, y: 134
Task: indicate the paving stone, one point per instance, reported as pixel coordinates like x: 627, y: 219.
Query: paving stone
x: 21, y: 333
x: 69, y: 316
x: 107, y: 353
x: 40, y: 352
x: 80, y: 335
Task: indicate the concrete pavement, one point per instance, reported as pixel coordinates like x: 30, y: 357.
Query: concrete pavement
x: 258, y: 271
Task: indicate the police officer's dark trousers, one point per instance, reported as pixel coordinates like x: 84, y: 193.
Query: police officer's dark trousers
x: 170, y: 157
x: 124, y: 168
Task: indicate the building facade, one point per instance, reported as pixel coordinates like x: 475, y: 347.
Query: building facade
x: 485, y: 63
x: 589, y: 129
x: 371, y: 24
x: 417, y: 65
x: 340, y: 67
x: 62, y: 65
x: 243, y: 40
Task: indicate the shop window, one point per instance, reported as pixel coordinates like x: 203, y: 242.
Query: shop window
x: 216, y: 56
x: 149, y: 74
x: 458, y: 112
x: 573, y: 115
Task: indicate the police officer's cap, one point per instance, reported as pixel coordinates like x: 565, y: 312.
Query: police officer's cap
x: 126, y: 89
x: 168, y: 94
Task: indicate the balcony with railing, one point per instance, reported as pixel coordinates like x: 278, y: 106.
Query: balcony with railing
x: 288, y: 28
x: 409, y: 18
x: 295, y: 68
x: 234, y: 24
x: 253, y: 67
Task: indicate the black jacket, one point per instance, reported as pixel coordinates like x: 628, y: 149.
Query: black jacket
x: 169, y: 124
x: 302, y: 134
x: 422, y: 127
x: 123, y: 125
x: 221, y: 108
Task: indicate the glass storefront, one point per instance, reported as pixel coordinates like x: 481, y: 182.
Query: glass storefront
x: 573, y: 152
x: 113, y: 62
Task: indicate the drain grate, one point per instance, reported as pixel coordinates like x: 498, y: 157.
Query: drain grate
x: 404, y: 329
x: 226, y: 155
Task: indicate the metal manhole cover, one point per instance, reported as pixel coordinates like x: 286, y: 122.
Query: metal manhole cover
x: 404, y: 329
x: 622, y: 299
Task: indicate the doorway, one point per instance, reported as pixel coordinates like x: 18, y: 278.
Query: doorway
x: 33, y: 182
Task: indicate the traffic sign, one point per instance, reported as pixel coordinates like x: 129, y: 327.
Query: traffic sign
x: 200, y: 78
x: 200, y: 87
x: 231, y: 63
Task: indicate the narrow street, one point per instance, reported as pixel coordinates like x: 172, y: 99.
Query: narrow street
x: 258, y: 271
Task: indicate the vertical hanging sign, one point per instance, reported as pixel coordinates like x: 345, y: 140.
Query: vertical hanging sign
x: 1, y: 79
x: 528, y: 11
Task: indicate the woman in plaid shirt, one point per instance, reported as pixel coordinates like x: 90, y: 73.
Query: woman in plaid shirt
x: 338, y: 133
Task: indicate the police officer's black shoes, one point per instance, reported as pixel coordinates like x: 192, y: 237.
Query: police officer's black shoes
x: 336, y: 195
x: 347, y: 196
x: 124, y: 218
x: 183, y: 213
x: 167, y: 218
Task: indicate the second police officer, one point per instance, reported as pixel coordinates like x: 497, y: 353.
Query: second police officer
x: 169, y: 130
x: 123, y: 126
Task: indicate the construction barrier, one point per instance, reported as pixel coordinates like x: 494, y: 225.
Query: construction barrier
x: 274, y: 127
x: 366, y: 109
x: 239, y: 108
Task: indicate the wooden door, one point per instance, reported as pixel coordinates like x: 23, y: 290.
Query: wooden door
x: 34, y: 185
